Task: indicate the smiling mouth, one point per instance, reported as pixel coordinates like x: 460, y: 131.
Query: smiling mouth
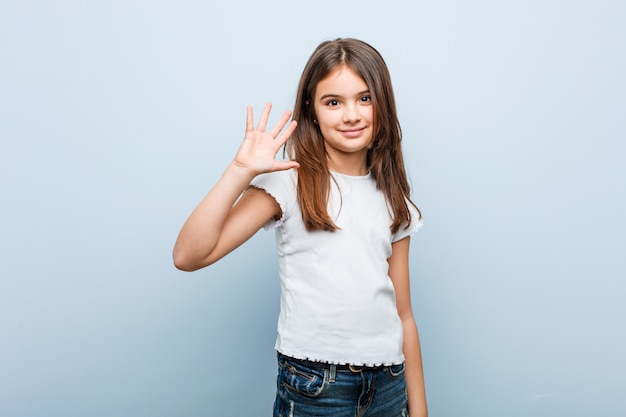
x: 352, y: 132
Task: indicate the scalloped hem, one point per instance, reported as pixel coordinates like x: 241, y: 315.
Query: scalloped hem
x: 272, y: 223
x: 356, y: 363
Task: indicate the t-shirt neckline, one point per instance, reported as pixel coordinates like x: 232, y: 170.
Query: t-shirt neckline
x: 351, y: 177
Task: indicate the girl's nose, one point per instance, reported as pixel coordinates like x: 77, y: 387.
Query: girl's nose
x: 351, y: 114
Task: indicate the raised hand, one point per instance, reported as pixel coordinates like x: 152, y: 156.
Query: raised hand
x: 257, y: 153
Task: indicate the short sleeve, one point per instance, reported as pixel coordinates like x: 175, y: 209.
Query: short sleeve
x: 281, y: 185
x: 416, y: 224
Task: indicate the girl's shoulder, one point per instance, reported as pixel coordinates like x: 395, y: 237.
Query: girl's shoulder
x: 408, y: 230
x: 282, y: 185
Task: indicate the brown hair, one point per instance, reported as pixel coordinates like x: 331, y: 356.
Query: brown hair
x: 306, y: 145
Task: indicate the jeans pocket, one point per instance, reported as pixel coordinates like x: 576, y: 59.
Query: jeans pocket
x: 302, y: 380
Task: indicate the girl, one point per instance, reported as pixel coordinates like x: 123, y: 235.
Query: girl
x: 347, y: 341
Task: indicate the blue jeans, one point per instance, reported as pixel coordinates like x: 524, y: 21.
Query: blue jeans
x: 307, y: 391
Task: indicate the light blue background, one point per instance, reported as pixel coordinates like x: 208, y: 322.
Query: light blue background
x: 116, y: 117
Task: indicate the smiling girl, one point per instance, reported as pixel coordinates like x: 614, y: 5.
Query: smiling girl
x: 347, y: 341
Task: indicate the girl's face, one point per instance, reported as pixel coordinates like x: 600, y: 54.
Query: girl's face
x: 345, y: 115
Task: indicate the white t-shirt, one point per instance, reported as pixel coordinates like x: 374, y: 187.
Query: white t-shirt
x: 337, y: 301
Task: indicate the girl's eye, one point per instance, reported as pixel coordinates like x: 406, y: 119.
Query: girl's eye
x: 333, y: 102
x: 366, y: 99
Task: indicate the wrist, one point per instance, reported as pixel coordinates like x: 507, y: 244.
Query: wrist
x: 236, y: 177
x: 240, y: 172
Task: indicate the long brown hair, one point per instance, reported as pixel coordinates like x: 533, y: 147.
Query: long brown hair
x: 306, y: 145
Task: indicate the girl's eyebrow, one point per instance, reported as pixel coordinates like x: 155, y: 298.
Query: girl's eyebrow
x: 325, y: 96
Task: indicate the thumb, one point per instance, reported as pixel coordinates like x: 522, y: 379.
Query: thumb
x: 285, y: 165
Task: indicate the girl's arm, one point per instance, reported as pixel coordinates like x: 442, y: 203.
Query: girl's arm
x: 414, y: 374
x: 216, y: 227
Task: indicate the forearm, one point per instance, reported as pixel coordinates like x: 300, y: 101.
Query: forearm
x: 414, y: 373
x: 200, y: 233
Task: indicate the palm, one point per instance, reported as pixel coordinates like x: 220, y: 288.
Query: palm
x: 258, y: 151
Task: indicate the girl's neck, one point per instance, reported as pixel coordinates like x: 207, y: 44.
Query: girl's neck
x: 352, y: 166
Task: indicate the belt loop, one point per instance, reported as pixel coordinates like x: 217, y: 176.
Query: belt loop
x: 333, y: 372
